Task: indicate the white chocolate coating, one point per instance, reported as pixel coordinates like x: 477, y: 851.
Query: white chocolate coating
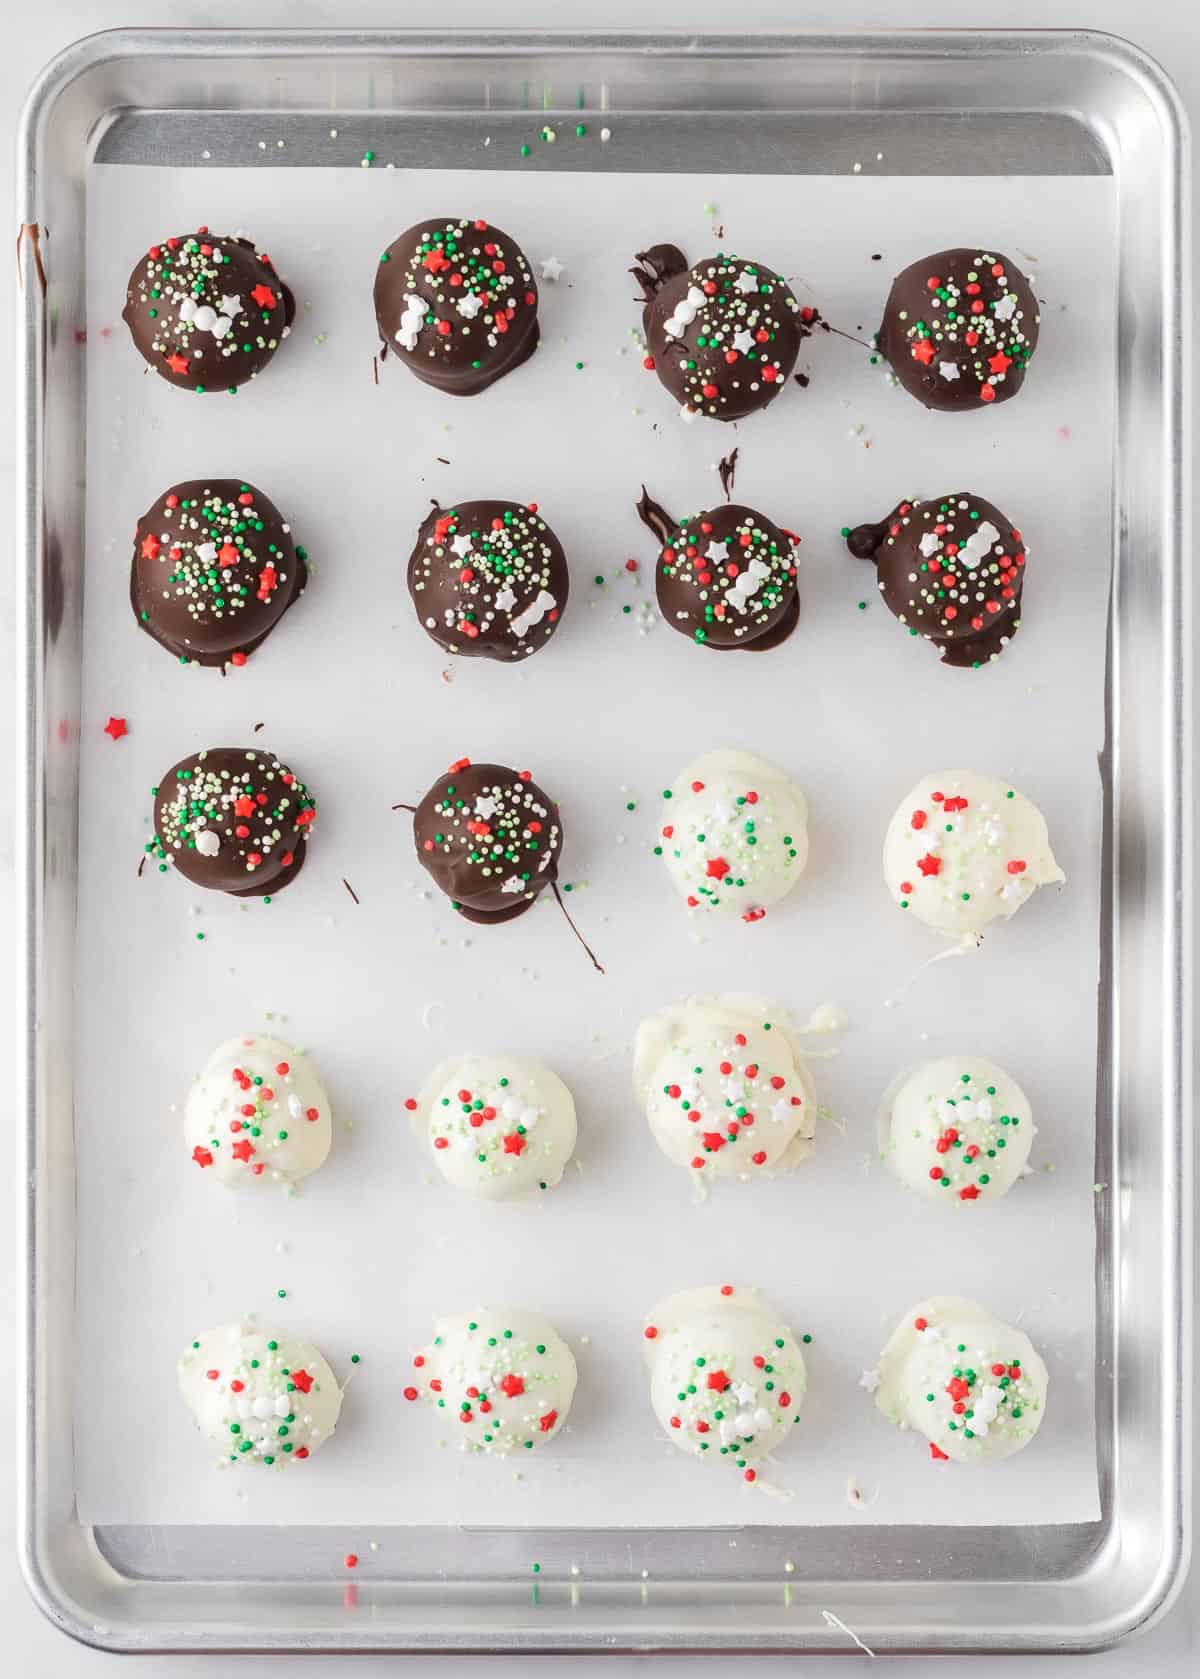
x: 957, y: 1130
x: 263, y: 1396
x: 734, y: 834
x: 963, y: 850
x: 503, y: 1379
x: 258, y: 1113
x: 724, y: 1087
x: 727, y: 1377
x: 497, y: 1126
x: 988, y: 1382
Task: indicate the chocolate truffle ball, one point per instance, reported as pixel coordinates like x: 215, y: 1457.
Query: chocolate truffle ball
x: 952, y: 571
x: 207, y: 313
x: 232, y: 819
x: 490, y: 838
x: 960, y: 328
x: 214, y: 570
x: 725, y: 578
x: 488, y: 579
x: 456, y: 302
x: 723, y: 336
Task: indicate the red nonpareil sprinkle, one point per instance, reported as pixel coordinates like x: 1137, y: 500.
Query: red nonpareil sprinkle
x: 726, y: 1288
x: 410, y: 1393
x: 920, y: 1323
x: 650, y: 1332
x: 1017, y: 866
x: 236, y: 1386
x: 411, y: 1104
x: 212, y: 1374
x: 302, y: 1451
x: 986, y: 393
x: 785, y: 1399
x: 750, y: 1475
x: 440, y: 1142
x: 350, y: 1560
x: 116, y: 727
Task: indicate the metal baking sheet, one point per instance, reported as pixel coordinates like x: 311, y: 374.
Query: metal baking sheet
x: 630, y: 1588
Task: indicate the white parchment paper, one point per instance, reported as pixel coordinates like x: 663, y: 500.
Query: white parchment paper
x: 353, y: 695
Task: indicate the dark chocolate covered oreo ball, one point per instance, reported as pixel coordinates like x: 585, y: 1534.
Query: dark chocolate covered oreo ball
x: 722, y: 336
x: 726, y: 578
x: 960, y: 329
x: 233, y: 819
x: 214, y: 570
x: 952, y: 570
x: 488, y: 579
x: 207, y: 312
x: 490, y: 839
x: 456, y: 302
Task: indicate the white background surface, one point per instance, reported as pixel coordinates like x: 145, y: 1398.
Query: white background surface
x: 35, y: 1648
x: 623, y: 1231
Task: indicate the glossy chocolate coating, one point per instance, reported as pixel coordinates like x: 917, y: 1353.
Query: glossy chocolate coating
x: 726, y: 578
x: 233, y: 819
x: 207, y: 312
x: 488, y: 579
x: 214, y: 570
x: 456, y: 303
x: 490, y: 839
x: 952, y: 570
x: 960, y: 328
x: 722, y: 336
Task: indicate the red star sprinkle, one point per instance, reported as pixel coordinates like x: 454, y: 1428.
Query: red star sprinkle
x: 717, y: 1380
x: 177, y: 363
x: 547, y: 1422
x: 923, y: 351
x: 243, y: 1149
x: 244, y: 806
x: 302, y: 1380
x: 150, y: 547
x: 116, y: 727
x: 999, y: 363
x: 929, y: 864
x: 717, y: 867
x: 937, y: 1453
x: 514, y: 1143
x: 264, y: 297
x: 511, y: 1386
x: 202, y: 1156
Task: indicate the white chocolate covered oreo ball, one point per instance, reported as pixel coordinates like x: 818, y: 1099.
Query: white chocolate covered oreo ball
x: 497, y: 1126
x: 724, y: 1087
x: 258, y: 1113
x: 503, y: 1378
x: 963, y: 850
x: 262, y: 1396
x: 973, y: 1386
x: 734, y: 834
x: 727, y: 1377
x: 957, y: 1130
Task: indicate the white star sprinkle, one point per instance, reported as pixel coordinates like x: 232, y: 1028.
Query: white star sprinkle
x: 746, y: 282
x: 869, y: 1380
x: 552, y: 269
x: 231, y: 306
x: 717, y: 552
x: 948, y: 369
x: 461, y: 545
x: 743, y: 341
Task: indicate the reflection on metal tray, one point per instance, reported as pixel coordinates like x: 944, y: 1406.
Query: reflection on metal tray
x: 932, y: 103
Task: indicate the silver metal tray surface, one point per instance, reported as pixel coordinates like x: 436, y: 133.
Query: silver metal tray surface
x: 932, y: 103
